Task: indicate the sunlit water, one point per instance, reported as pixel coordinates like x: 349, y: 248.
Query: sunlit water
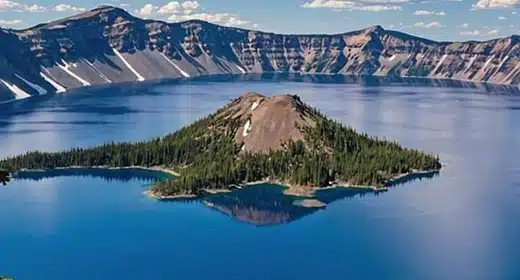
x: 462, y: 224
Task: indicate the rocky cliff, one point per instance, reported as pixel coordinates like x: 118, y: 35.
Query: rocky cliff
x: 108, y: 45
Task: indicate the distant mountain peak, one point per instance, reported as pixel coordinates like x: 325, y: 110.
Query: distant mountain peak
x: 105, y: 9
x: 110, y: 12
x: 374, y: 29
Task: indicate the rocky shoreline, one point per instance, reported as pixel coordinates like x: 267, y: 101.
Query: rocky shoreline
x: 306, y: 192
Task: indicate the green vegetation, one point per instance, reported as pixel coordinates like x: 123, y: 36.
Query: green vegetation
x: 208, y: 157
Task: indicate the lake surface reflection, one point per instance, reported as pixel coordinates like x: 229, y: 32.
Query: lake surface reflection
x: 462, y: 224
x: 261, y: 205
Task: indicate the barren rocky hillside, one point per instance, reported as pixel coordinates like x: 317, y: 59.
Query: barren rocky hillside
x: 268, y: 121
x: 108, y: 45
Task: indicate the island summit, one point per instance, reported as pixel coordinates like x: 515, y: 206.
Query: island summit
x: 253, y: 139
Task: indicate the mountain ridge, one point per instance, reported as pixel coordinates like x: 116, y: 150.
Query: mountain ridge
x: 109, y: 45
x: 372, y: 28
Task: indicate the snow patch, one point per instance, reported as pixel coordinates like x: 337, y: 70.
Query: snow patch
x: 139, y: 77
x: 241, y: 69
x: 253, y: 107
x: 247, y: 128
x: 439, y: 64
x: 511, y: 73
x: 58, y: 87
x: 470, y: 63
x: 120, y: 23
x: 103, y: 76
x: 72, y: 74
x: 502, y: 63
x: 487, y: 63
x: 39, y: 89
x: 65, y: 63
x: 186, y: 75
x: 18, y: 92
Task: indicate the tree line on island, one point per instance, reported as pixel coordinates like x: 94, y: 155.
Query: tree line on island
x: 207, y: 156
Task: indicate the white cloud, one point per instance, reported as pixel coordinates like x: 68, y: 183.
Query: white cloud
x: 146, y: 10
x: 378, y: 8
x: 236, y: 22
x: 428, y: 13
x: 17, y: 7
x: 336, y: 4
x: 190, y: 5
x: 7, y: 4
x: 67, y: 8
x: 470, y: 33
x: 10, y: 22
x: 464, y: 25
x: 360, y: 5
x: 190, y: 10
x: 433, y: 24
x: 170, y: 8
x: 502, y: 18
x: 34, y: 8
x: 495, y: 4
x: 174, y: 7
x: 220, y: 18
x: 484, y: 32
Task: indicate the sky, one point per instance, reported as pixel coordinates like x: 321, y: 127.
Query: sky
x: 441, y: 20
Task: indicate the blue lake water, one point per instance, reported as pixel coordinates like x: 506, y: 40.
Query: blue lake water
x: 461, y: 224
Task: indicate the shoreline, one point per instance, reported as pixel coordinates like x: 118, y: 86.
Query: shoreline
x: 309, y: 192
x: 303, y: 74
x: 153, y: 168
x: 159, y: 197
x: 298, y: 191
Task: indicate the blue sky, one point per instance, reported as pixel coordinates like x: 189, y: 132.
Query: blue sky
x: 434, y: 19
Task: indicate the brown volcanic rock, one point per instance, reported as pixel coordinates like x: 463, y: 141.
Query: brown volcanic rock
x: 267, y: 122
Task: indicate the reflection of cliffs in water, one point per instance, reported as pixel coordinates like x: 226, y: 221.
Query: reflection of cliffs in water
x: 266, y: 204
x: 260, y: 205
x: 368, y: 81
x: 122, y: 175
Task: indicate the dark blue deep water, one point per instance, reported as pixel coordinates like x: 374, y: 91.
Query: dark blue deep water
x: 462, y: 224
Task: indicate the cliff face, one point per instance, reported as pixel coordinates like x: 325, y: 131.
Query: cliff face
x: 108, y: 45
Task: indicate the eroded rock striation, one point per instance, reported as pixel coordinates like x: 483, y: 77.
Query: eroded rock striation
x: 108, y: 45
